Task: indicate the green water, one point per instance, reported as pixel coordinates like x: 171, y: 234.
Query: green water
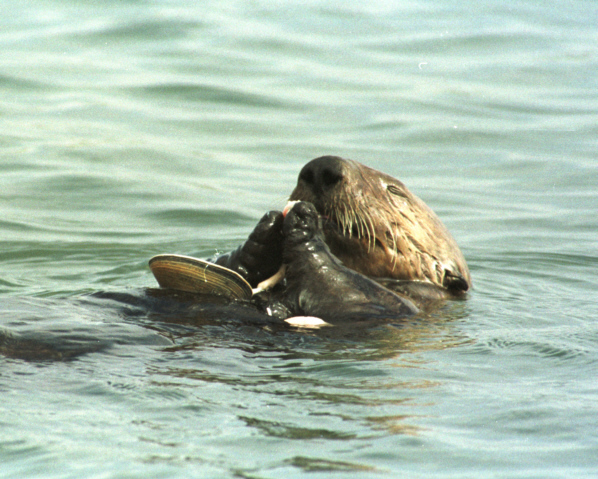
x: 130, y: 129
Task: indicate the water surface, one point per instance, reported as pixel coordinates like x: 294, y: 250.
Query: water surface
x: 136, y: 128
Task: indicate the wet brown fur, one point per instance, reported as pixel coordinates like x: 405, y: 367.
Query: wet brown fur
x: 377, y: 227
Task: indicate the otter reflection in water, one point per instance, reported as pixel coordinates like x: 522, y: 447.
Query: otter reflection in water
x: 372, y: 226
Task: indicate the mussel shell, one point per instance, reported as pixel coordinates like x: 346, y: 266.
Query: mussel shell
x: 193, y: 275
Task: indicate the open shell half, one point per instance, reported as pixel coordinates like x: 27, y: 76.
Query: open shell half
x: 193, y: 275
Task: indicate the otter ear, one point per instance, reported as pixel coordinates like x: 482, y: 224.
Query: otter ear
x: 454, y: 281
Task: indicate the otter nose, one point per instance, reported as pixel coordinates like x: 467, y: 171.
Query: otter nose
x: 323, y: 173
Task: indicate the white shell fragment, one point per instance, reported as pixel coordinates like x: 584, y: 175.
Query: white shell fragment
x: 307, y: 322
x: 271, y: 281
x: 288, y: 207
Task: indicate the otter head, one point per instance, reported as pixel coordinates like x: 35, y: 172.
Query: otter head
x: 377, y: 227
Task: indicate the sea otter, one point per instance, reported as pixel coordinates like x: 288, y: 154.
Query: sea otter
x: 372, y: 223
x: 351, y: 223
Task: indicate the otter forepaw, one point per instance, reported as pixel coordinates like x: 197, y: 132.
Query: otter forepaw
x: 261, y: 255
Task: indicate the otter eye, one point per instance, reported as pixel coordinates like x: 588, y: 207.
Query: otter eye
x: 395, y: 190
